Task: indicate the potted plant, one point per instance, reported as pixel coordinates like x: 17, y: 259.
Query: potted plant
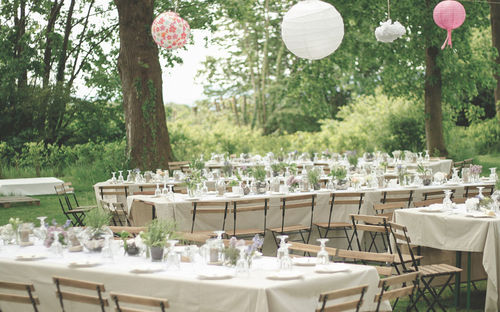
x: 130, y: 249
x: 156, y: 235
x: 192, y: 182
x: 339, y: 174
x: 425, y: 175
x: 313, y: 177
x: 96, y: 222
x: 259, y: 174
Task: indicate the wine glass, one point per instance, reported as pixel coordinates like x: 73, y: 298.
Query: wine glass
x: 173, y: 258
x: 447, y: 203
x: 242, y: 264
x: 158, y: 190
x: 129, y: 176
x: 113, y: 179
x: 220, y: 244
x: 56, y: 248
x: 427, y: 156
x: 171, y: 194
x: 106, y: 251
x: 281, y: 250
x: 120, y: 176
x: 480, y: 189
x: 493, y: 174
x: 322, y: 256
x: 164, y: 191
x: 285, y: 261
x: 41, y: 232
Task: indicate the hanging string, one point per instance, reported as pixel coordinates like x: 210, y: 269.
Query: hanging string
x: 388, y: 9
x: 175, y: 6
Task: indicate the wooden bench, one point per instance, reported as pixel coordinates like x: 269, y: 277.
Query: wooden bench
x: 7, y: 201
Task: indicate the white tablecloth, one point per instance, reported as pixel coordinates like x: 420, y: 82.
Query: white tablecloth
x: 31, y: 186
x: 457, y: 232
x: 183, y: 289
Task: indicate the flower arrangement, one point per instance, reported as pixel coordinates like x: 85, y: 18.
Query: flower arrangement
x: 227, y: 169
x: 14, y: 223
x: 63, y: 233
x: 338, y: 172
x: 157, y: 232
x: 292, y: 182
x: 194, y: 179
x: 476, y: 169
x: 313, y: 177
x: 259, y: 173
x: 197, y: 164
x: 231, y: 252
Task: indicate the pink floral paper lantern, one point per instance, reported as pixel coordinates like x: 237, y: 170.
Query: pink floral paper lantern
x: 170, y: 31
x: 449, y: 15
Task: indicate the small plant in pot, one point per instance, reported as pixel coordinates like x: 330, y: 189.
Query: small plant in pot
x: 339, y: 175
x: 97, y: 229
x: 313, y: 177
x: 156, y: 235
x: 259, y: 174
x: 130, y: 249
x: 425, y: 175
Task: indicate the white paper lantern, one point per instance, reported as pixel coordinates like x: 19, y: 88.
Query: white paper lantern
x: 312, y: 29
x: 388, y: 32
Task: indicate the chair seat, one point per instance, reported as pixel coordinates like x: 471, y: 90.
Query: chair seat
x: 78, y: 210
x: 333, y: 225
x: 407, y: 259
x: 247, y: 232
x: 291, y: 228
x: 437, y: 269
x: 86, y: 207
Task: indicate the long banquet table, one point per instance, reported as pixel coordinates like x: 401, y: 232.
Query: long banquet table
x: 183, y: 288
x: 456, y: 231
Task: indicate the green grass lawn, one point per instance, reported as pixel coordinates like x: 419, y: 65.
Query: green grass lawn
x: 488, y: 161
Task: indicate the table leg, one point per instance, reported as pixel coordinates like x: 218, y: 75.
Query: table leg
x: 469, y: 256
x: 458, y: 264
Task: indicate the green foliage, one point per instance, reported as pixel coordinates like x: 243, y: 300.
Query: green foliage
x: 338, y: 172
x: 259, y: 173
x: 313, y: 176
x: 157, y: 232
x: 97, y: 219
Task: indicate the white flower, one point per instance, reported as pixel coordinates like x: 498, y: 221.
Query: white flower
x: 471, y: 203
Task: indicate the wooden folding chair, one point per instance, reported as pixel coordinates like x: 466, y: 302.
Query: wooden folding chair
x: 14, y: 296
x: 373, y: 225
x: 389, y: 289
x: 144, y: 193
x: 75, y: 214
x: 119, y: 215
x: 209, y: 208
x: 436, y: 194
x: 79, y: 296
x: 147, y: 189
x: 405, y: 196
x: 387, y: 209
x: 304, y: 202
x: 137, y: 300
x: 473, y: 191
x: 427, y: 203
x: 384, y: 263
x: 246, y: 206
x: 336, y: 199
x: 340, y: 294
x: 178, y: 165
x: 427, y: 273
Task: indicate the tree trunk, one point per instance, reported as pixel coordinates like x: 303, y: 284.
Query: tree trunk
x: 47, y: 55
x: 20, y: 23
x: 140, y: 74
x: 235, y: 110
x: 61, y: 63
x: 433, y: 109
x: 244, y: 110
x: 265, y: 64
x: 495, y: 36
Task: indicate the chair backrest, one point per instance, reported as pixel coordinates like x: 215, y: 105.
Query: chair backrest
x: 14, y: 296
x: 65, y: 191
x: 119, y: 215
x: 297, y: 202
x: 339, y: 294
x: 133, y: 230
x: 404, y: 196
x: 395, y: 287
x: 383, y: 262
x: 473, y: 191
x: 436, y: 194
x: 311, y: 248
x: 387, y: 209
x: 147, y: 188
x: 137, y: 300
x: 78, y: 296
x: 113, y: 190
x: 426, y: 203
x: 210, y: 207
x: 400, y: 236
x: 247, y: 206
x: 177, y: 165
x: 144, y: 193
x: 374, y: 225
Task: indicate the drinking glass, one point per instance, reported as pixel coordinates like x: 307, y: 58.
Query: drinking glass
x: 282, y: 249
x: 480, y: 195
x: 120, y: 176
x: 129, y: 176
x: 41, y: 232
x: 106, y: 251
x: 158, y: 190
x: 171, y: 194
x: 56, y: 248
x: 173, y: 258
x: 220, y: 245
x: 164, y: 191
x: 322, y: 256
x: 242, y: 263
x: 113, y: 179
x: 427, y: 156
x: 447, y: 202
x: 285, y: 262
x: 493, y: 174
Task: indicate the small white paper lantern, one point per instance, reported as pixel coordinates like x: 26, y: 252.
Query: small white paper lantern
x: 388, y: 32
x: 312, y: 29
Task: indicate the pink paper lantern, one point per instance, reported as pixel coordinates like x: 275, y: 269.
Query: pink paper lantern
x: 449, y: 15
x: 170, y: 31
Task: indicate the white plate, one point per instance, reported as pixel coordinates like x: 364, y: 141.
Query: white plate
x: 215, y: 275
x: 332, y: 268
x: 30, y: 257
x: 305, y: 261
x: 84, y: 264
x: 285, y: 275
x: 232, y: 195
x: 147, y: 268
x: 192, y: 198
